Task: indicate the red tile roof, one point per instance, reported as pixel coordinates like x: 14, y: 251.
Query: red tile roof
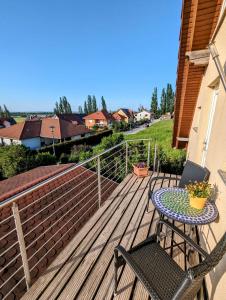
x: 23, y: 130
x: 118, y: 117
x: 30, y: 129
x: 63, y: 129
x: 16, y: 184
x: 128, y: 112
x: 99, y: 115
x: 74, y: 118
x: 51, y: 216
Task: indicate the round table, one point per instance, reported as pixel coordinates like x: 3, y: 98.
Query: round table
x: 174, y: 203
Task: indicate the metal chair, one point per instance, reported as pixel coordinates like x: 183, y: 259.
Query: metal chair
x: 192, y: 172
x: 160, y: 274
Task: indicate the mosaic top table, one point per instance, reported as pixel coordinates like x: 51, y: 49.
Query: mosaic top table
x: 174, y: 203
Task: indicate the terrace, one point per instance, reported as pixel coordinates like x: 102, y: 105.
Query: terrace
x: 57, y: 237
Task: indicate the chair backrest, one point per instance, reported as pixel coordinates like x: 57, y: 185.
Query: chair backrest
x: 193, y: 172
x: 193, y: 279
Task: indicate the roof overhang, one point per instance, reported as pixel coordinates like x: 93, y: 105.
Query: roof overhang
x: 198, y: 22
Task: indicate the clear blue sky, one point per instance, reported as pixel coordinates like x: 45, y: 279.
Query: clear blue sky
x: 120, y: 49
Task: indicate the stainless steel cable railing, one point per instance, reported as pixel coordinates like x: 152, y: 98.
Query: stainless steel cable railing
x: 37, y: 224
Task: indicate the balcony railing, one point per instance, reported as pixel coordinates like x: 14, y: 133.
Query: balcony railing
x: 37, y: 224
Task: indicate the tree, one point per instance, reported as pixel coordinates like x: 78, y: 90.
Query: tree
x: 169, y: 98
x: 56, y: 109
x: 85, y: 108
x: 63, y: 107
x: 1, y: 112
x: 141, y: 108
x: 80, y: 109
x: 89, y: 104
x: 103, y: 103
x: 154, y: 102
x: 6, y: 112
x: 94, y: 104
x: 163, y: 102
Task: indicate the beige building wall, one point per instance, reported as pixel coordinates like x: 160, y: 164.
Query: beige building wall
x: 215, y: 158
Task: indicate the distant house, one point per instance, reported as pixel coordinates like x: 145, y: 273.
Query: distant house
x: 118, y: 118
x: 127, y: 114
x: 99, y: 118
x: 143, y: 115
x: 6, y: 122
x: 37, y: 133
x: 63, y: 130
x: 74, y: 118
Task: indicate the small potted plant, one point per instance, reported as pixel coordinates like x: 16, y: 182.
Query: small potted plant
x: 140, y: 169
x: 198, y: 192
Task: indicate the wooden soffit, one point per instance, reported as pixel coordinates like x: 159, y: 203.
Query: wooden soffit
x: 198, y: 21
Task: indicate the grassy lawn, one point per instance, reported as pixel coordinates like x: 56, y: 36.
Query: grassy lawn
x: 171, y: 160
x: 161, y: 132
x: 19, y: 119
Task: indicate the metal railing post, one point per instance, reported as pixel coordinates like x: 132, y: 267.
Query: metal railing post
x: 99, y: 181
x: 155, y: 156
x: 21, y: 241
x: 149, y: 151
x: 126, y: 157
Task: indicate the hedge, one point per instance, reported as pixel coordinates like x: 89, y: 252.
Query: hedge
x: 65, y: 147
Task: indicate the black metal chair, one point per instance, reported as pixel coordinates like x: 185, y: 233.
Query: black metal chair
x: 160, y: 274
x: 192, y: 172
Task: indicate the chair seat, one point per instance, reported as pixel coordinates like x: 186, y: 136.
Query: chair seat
x: 161, y: 273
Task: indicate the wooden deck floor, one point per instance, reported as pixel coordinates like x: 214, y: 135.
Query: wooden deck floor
x: 84, y: 269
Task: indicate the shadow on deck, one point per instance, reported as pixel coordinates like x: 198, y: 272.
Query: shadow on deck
x: 84, y: 269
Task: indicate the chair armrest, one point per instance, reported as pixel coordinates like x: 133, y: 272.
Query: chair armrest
x: 185, y: 237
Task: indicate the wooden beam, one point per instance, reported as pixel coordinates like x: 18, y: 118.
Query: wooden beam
x: 198, y: 57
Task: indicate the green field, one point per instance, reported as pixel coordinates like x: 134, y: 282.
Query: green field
x: 19, y: 119
x: 160, y: 132
x: 171, y: 160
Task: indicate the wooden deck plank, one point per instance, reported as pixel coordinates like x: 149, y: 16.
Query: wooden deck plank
x: 84, y: 269
x: 79, y: 254
x: 128, y: 278
x: 138, y: 288
x: 42, y: 283
x: 132, y: 220
x: 105, y: 290
x: 87, y: 248
x: 76, y: 279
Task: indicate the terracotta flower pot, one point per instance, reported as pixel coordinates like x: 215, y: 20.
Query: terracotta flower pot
x: 197, y: 202
x: 140, y: 172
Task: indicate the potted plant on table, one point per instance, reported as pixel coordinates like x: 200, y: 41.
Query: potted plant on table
x: 140, y: 169
x: 198, y: 192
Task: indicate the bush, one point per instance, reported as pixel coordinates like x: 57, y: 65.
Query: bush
x: 108, y: 142
x: 44, y: 159
x: 76, y: 152
x: 66, y: 147
x: 171, y: 160
x: 95, y: 127
x: 64, y: 158
x: 14, y: 159
x: 83, y: 155
x: 121, y: 126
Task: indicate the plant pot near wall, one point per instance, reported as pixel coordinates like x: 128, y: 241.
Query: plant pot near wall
x: 140, y: 172
x: 196, y: 202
